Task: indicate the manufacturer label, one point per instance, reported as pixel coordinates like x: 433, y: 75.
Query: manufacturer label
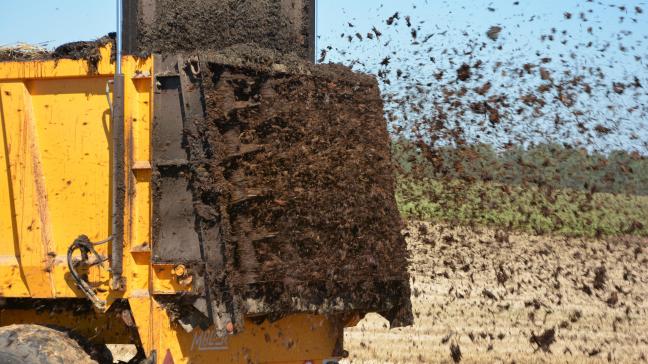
x: 208, y: 341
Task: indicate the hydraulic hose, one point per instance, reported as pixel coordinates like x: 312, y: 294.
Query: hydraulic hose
x: 86, y: 247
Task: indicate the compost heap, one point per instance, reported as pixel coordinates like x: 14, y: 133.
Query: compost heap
x: 298, y: 176
x: 196, y: 25
x: 86, y: 50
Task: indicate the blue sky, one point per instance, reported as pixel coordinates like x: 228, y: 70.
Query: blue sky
x: 55, y: 22
x: 614, y: 26
x: 523, y: 24
x: 60, y: 21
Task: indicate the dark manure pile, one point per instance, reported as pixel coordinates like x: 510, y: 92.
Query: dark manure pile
x: 80, y: 50
x: 23, y: 52
x: 198, y: 25
x: 300, y: 179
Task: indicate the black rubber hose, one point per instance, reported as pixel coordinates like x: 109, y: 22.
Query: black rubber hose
x: 83, y: 244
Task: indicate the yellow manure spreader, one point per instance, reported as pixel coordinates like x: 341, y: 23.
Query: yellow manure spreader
x: 77, y: 267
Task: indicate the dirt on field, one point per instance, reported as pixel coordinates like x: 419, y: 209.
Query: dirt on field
x: 487, y: 296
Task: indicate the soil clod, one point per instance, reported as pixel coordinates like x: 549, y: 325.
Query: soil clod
x: 544, y: 340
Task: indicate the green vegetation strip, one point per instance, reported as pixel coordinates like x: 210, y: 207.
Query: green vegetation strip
x: 524, y: 208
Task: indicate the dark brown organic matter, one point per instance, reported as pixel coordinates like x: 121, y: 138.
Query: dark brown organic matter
x: 85, y: 50
x: 455, y: 353
x: 493, y: 32
x: 197, y: 25
x: 544, y: 340
x: 300, y: 176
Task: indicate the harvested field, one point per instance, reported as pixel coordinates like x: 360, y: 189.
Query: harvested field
x: 293, y: 176
x: 502, y: 298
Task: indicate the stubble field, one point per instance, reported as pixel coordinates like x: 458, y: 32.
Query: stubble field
x: 487, y: 296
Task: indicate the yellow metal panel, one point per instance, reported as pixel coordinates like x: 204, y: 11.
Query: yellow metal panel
x: 73, y: 119
x: 29, y: 211
x: 141, y: 308
x: 13, y: 282
x: 165, y: 282
x: 57, y: 68
x: 74, y: 134
x: 137, y: 132
x: 56, y: 171
x: 141, y: 238
x: 100, y: 328
x: 55, y: 185
x: 141, y: 156
x: 293, y: 339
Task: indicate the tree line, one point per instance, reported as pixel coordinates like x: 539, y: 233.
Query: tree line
x: 546, y: 165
